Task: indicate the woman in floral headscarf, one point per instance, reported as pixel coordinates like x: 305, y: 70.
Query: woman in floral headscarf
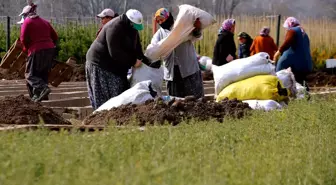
x: 225, y: 48
x: 181, y: 69
x: 264, y: 43
x: 295, y: 51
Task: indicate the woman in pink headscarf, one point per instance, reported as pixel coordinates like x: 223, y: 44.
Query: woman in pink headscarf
x: 225, y: 48
x: 264, y: 43
x: 295, y: 51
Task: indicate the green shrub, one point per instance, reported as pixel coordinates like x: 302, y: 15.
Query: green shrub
x: 75, y: 39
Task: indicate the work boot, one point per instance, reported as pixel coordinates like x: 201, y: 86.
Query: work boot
x: 44, y: 94
x: 35, y: 97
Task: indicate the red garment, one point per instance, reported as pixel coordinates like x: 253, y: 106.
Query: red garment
x: 99, y: 31
x: 264, y: 44
x: 289, y: 41
x: 37, y: 34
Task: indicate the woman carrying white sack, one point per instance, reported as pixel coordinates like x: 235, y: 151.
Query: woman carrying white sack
x: 181, y: 69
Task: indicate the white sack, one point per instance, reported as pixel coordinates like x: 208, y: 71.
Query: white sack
x: 266, y: 105
x: 183, y: 26
x: 135, y: 95
x: 287, y: 78
x: 145, y: 73
x: 241, y: 69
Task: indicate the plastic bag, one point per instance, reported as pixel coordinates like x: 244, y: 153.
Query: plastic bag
x: 301, y: 91
x: 266, y: 105
x: 183, y: 26
x: 129, y: 74
x: 203, y: 60
x: 263, y: 87
x: 287, y: 78
x: 138, y: 94
x: 206, y: 63
x: 144, y: 73
x: 241, y: 69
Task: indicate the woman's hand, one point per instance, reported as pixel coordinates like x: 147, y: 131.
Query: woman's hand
x: 197, y: 30
x: 276, y: 56
x: 229, y: 58
x: 197, y: 24
x: 138, y: 63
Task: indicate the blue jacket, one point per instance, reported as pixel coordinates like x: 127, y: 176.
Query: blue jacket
x: 298, y: 56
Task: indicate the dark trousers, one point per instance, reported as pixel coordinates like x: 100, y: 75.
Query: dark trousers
x: 301, y: 78
x: 38, y: 67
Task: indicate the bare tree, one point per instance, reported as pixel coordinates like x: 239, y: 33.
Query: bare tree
x: 81, y: 8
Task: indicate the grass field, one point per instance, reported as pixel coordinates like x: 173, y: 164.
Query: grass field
x: 293, y: 146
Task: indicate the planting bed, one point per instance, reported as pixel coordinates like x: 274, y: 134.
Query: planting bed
x: 321, y: 79
x: 5, y: 74
x: 78, y: 73
x: 173, y: 112
x: 20, y: 110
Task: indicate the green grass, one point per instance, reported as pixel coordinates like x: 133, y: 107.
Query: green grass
x: 293, y: 146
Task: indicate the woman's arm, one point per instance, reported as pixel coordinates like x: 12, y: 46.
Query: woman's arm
x: 289, y: 41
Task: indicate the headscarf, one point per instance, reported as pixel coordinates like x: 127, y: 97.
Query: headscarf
x: 265, y: 31
x: 227, y: 25
x: 33, y: 12
x: 292, y: 22
x: 246, y: 36
x: 164, y: 18
x: 29, y: 11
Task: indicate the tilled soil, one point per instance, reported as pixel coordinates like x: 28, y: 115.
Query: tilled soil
x: 21, y: 111
x: 78, y: 74
x: 207, y: 75
x: 321, y: 79
x: 5, y: 74
x: 173, y: 112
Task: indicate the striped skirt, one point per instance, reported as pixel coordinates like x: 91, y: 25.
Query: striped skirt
x: 103, y: 85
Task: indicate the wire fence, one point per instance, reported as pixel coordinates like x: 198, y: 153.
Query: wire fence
x: 77, y: 34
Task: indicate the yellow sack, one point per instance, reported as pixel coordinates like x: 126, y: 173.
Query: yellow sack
x: 263, y: 87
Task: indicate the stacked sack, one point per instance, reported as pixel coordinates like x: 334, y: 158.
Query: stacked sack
x: 252, y: 80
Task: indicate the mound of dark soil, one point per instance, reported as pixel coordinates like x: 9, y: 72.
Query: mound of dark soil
x: 173, y: 112
x: 78, y: 74
x: 5, y: 74
x: 207, y: 75
x: 321, y: 79
x: 21, y: 110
